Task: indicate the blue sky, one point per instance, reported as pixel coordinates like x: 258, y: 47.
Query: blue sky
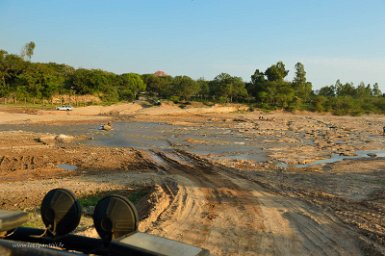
x: 334, y: 39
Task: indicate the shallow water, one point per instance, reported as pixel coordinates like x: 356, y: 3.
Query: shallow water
x: 67, y: 167
x: 219, y: 142
x: 76, y: 129
x: 336, y: 158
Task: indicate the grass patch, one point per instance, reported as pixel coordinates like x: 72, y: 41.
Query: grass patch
x: 28, y: 106
x: 134, y: 196
x: 90, y: 200
x: 34, y: 221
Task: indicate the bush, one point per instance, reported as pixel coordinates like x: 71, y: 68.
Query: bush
x: 222, y: 99
x: 175, y: 99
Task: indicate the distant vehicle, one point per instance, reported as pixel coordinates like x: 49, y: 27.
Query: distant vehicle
x: 65, y: 108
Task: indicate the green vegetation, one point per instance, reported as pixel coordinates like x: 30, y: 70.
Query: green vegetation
x: 34, y: 220
x: 133, y: 196
x: 24, y: 81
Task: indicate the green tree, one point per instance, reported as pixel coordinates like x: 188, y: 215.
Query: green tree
x: 376, y: 90
x: 284, y: 94
x: 258, y: 81
x: 130, y: 85
x: 228, y: 88
x: 27, y: 51
x: 3, y: 85
x: 300, y: 74
x: 319, y: 103
x: 363, y: 91
x: 302, y: 88
x: 11, y: 68
x: 327, y: 91
x: 184, y: 87
x: 152, y: 83
x: 345, y: 105
x: 159, y: 86
x: 258, y: 77
x: 274, y: 91
x: 94, y: 81
x: 346, y: 89
x: 204, y: 90
x: 276, y: 72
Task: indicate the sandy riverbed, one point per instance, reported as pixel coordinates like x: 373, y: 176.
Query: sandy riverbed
x: 231, y: 206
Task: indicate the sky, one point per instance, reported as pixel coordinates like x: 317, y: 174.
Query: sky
x: 334, y: 39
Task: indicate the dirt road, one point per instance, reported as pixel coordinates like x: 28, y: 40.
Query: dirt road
x: 231, y: 214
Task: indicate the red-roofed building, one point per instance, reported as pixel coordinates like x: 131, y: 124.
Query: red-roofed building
x: 160, y: 73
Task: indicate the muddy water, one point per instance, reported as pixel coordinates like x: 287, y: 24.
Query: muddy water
x: 206, y: 140
x: 67, y: 167
x: 77, y: 129
x: 336, y: 158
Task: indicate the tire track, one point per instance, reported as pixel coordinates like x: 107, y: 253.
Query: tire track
x: 232, y: 215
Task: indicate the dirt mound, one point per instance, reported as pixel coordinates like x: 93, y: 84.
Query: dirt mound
x: 28, y: 156
x: 96, y: 113
x: 49, y: 139
x: 113, y: 110
x: 175, y: 109
x: 152, y: 206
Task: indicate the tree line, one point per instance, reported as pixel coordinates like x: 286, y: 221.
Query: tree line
x: 25, y: 80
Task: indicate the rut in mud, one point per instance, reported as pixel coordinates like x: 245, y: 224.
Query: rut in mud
x: 230, y: 214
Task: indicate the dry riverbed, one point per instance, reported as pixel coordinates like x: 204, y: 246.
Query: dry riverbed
x: 274, y: 200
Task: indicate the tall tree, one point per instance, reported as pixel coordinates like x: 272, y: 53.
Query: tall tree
x: 258, y: 81
x: 276, y: 72
x: 27, y: 51
x: 130, y: 85
x: 2, y: 72
x: 258, y: 77
x: 302, y: 88
x: 184, y: 87
x: 363, y: 91
x: 300, y: 74
x: 327, y: 91
x: 227, y: 87
x: 94, y: 81
x: 346, y: 89
x: 203, y: 88
x: 376, y: 90
x: 158, y: 85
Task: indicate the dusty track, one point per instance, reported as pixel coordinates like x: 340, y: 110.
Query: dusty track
x: 233, y: 215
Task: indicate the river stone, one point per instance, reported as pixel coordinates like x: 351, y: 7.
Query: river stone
x: 46, y: 139
x: 62, y: 138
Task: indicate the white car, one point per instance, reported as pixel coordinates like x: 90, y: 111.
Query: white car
x: 65, y: 108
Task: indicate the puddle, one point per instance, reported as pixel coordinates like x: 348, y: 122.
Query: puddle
x: 246, y: 156
x: 371, y: 153
x: 282, y: 165
x: 67, y: 167
x: 336, y: 158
